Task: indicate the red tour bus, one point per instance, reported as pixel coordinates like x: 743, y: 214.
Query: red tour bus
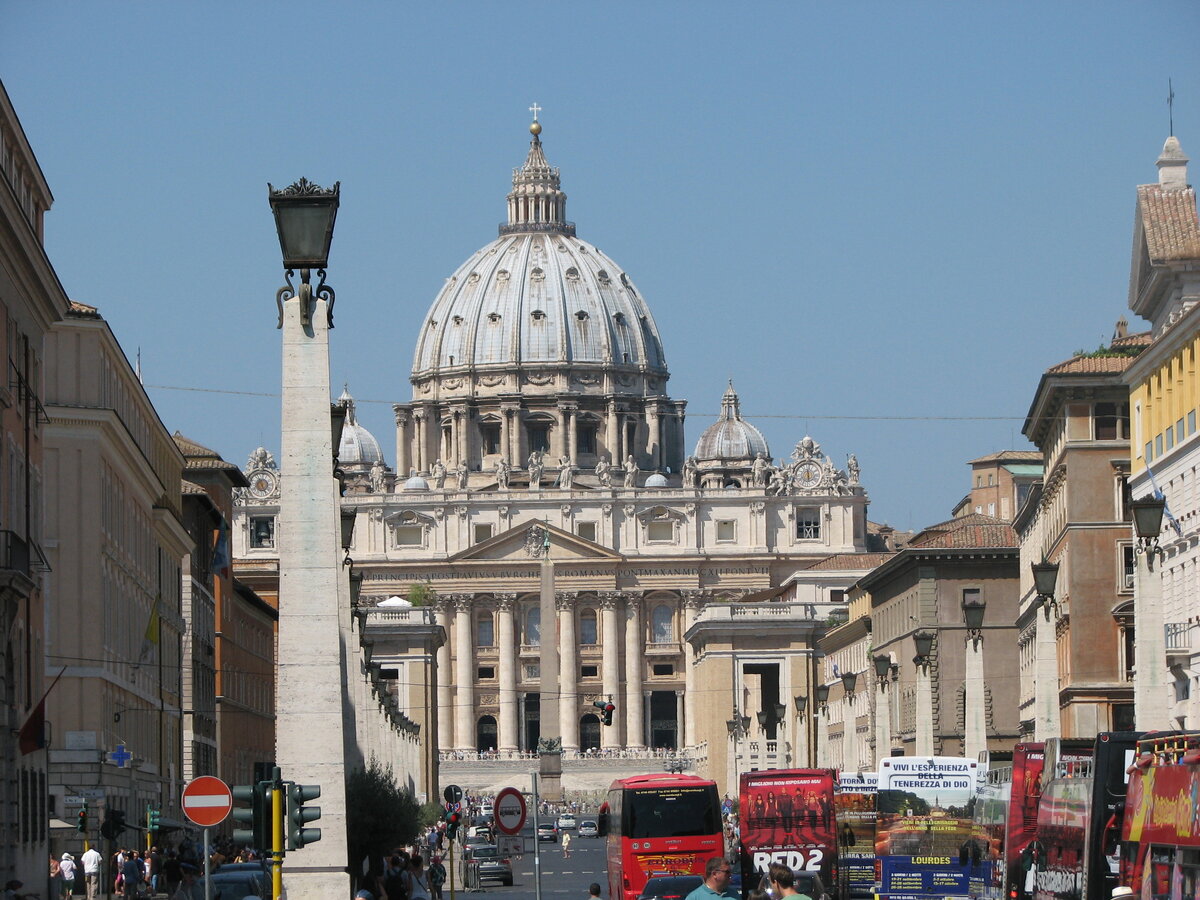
x: 659, y: 825
x: 1160, y: 847
x: 787, y: 817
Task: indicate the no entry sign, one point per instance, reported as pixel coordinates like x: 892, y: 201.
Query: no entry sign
x: 207, y: 801
x: 509, y: 810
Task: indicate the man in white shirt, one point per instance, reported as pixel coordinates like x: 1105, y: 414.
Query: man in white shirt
x: 91, y: 860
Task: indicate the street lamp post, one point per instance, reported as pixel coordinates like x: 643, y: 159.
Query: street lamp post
x: 885, y: 671
x: 923, y: 727
x: 974, y: 699
x: 1150, y: 710
x: 802, y: 750
x: 822, y: 713
x: 1047, y: 720
x: 849, y: 722
x: 311, y: 734
x: 739, y: 728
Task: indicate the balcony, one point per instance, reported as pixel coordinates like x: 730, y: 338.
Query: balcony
x: 664, y: 648
x: 18, y: 561
x: 1179, y: 642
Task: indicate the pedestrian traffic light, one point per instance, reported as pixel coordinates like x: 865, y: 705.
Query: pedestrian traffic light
x: 153, y: 816
x: 81, y: 825
x: 254, y: 816
x: 453, y: 818
x: 113, y: 824
x: 299, y: 815
x: 607, y: 708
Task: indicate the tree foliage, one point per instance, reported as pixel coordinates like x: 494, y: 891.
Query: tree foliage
x: 380, y: 816
x: 432, y: 813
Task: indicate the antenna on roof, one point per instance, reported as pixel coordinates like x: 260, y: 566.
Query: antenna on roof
x: 1171, y: 106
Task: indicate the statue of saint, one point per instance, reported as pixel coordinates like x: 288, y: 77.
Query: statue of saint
x: 377, y: 477
x: 760, y: 471
x: 852, y: 468
x: 461, y: 474
x: 631, y: 471
x: 503, y: 470
x: 439, y: 474
x: 535, y: 466
x: 566, y: 473
x: 691, y: 473
x: 604, y: 472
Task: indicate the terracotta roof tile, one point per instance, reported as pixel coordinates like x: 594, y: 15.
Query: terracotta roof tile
x: 1092, y: 365
x: 187, y: 487
x: 1010, y: 456
x: 1169, y: 222
x: 967, y: 531
x: 843, y: 561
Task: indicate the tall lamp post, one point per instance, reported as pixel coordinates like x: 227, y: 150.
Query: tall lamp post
x: 314, y: 587
x: 1047, y: 720
x: 803, y: 756
x: 974, y: 699
x: 822, y: 713
x: 739, y: 728
x: 1149, y: 677
x: 885, y: 671
x: 849, y: 723
x: 923, y: 641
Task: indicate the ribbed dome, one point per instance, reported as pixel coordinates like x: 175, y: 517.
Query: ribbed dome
x: 731, y: 436
x: 537, y: 295
x: 358, y: 445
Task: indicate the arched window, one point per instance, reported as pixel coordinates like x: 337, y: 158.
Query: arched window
x: 533, y: 626
x: 484, y: 630
x: 485, y: 734
x: 662, y: 625
x: 587, y: 627
x: 589, y: 732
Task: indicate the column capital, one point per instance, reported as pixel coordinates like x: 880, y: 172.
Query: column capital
x: 565, y: 600
x: 462, y: 602
x: 694, y: 599
x: 401, y: 413
x: 633, y: 604
x: 505, y: 601
x: 609, y: 600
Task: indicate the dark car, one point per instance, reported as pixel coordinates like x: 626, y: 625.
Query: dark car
x: 806, y: 883
x: 670, y: 887
x: 261, y: 866
x: 491, y: 863
x: 236, y: 885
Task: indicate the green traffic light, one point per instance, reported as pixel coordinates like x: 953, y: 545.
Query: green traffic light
x: 299, y: 815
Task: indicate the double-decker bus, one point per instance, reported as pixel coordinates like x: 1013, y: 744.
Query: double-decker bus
x: 787, y: 817
x: 659, y: 825
x: 1160, y: 847
x: 1076, y: 851
x: 854, y: 810
x: 925, y: 845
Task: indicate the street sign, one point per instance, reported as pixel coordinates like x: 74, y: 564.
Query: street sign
x: 452, y: 793
x: 509, y: 810
x: 510, y: 844
x: 207, y: 800
x: 121, y: 756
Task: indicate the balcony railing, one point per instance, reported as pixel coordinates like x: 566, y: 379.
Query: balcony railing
x: 1179, y: 638
x: 14, y: 552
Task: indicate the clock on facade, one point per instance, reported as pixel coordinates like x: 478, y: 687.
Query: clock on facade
x: 262, y: 484
x: 808, y: 475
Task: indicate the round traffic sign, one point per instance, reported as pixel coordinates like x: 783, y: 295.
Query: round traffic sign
x: 207, y: 801
x: 453, y: 793
x: 509, y: 810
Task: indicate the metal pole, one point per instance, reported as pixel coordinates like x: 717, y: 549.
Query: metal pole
x: 207, y: 864
x: 450, y: 841
x: 276, y: 833
x: 537, y: 845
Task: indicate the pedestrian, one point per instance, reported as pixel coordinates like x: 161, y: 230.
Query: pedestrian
x: 391, y: 884
x: 593, y: 890
x: 132, y: 875
x: 717, y: 874
x: 566, y: 845
x: 154, y: 869
x: 66, y: 868
x: 417, y: 881
x: 12, y: 888
x: 91, y: 860
x: 55, y: 877
x: 172, y: 873
x: 437, y: 877
x: 783, y: 882
x: 190, y: 888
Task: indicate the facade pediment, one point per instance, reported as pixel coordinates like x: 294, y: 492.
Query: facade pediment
x: 511, y: 546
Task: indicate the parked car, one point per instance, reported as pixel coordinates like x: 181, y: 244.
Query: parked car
x: 237, y: 885
x: 491, y: 863
x: 547, y: 833
x: 670, y: 887
x: 566, y: 821
x: 588, y: 829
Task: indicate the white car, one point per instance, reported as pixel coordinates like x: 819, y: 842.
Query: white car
x: 566, y: 821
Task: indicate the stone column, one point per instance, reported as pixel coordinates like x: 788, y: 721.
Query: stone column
x: 646, y: 714
x: 635, y: 651
x: 680, y: 720
x: 610, y: 737
x: 974, y: 700
x: 568, y: 678
x: 573, y: 433
x: 464, y: 675
x: 560, y: 433
x: 1047, y: 721
x: 924, y: 716
x: 445, y: 697
x: 1150, y: 710
x: 403, y: 443
x: 419, y: 440
x: 314, y: 619
x: 823, y: 755
x: 883, y: 723
x: 654, y: 437
x: 548, y: 687
x: 508, y: 729
x: 610, y: 433
x: 849, y: 734
x: 693, y: 602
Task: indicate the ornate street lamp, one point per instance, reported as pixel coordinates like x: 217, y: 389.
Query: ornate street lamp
x: 849, y: 682
x: 883, y: 668
x: 801, y: 705
x: 764, y: 719
x: 923, y: 640
x: 780, y: 711
x: 973, y: 611
x: 304, y: 217
x: 822, y: 694
x: 1147, y: 521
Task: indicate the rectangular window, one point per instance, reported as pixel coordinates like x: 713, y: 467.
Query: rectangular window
x: 1158, y: 445
x: 1169, y: 434
x: 660, y: 532
x: 837, y: 596
x: 1112, y: 421
x: 533, y: 671
x: 1124, y: 497
x: 1079, y: 422
x: 262, y: 532
x: 489, y: 437
x: 1179, y: 431
x: 585, y: 440
x: 589, y: 672
x: 664, y: 669
x: 486, y: 673
x: 1148, y: 453
x: 539, y: 438
x: 808, y: 524
x: 482, y: 533
x: 410, y: 535
x: 1191, y: 425
x: 1128, y: 567
x: 586, y: 530
x: 726, y: 531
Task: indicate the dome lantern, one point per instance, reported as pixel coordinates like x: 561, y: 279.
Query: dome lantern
x: 537, y: 202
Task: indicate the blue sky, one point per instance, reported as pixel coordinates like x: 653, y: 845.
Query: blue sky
x: 883, y: 221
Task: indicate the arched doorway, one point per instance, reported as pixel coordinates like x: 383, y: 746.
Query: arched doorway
x: 485, y: 734
x: 589, y: 732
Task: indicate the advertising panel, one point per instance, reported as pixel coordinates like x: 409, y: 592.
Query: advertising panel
x: 925, y: 837
x: 854, y: 809
x: 788, y: 817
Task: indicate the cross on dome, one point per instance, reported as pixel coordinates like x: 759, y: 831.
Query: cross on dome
x: 535, y: 109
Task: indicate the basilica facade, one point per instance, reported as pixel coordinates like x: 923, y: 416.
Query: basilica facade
x: 539, y: 400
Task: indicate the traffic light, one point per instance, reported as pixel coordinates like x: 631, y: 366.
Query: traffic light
x: 255, y: 816
x: 113, y: 824
x: 607, y: 708
x: 81, y: 825
x: 299, y: 815
x: 153, y: 816
x: 453, y: 818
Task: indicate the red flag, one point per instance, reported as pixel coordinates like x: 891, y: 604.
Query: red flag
x: 33, y: 732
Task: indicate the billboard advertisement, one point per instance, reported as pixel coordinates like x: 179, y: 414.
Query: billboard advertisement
x: 787, y: 816
x: 854, y: 810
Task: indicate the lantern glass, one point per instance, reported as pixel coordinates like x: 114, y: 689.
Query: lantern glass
x: 822, y: 692
x: 348, y: 515
x: 849, y: 681
x: 764, y: 720
x: 780, y: 712
x: 801, y: 705
x: 973, y: 611
x: 882, y: 665
x: 745, y: 723
x: 1045, y: 577
x: 924, y: 642
x: 304, y: 217
x: 1148, y: 516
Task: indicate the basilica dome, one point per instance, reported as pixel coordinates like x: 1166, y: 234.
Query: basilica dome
x: 358, y: 446
x: 731, y: 436
x: 537, y: 297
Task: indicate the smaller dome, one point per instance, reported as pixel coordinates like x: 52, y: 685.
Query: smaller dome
x: 416, y: 483
x: 731, y: 436
x: 358, y: 445
x: 394, y: 602
x: 657, y: 480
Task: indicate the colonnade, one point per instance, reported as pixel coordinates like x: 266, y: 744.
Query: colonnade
x: 620, y: 654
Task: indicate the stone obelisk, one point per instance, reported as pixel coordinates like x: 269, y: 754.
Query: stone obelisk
x: 550, y: 723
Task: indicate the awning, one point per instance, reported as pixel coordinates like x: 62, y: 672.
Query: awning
x: 57, y: 824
